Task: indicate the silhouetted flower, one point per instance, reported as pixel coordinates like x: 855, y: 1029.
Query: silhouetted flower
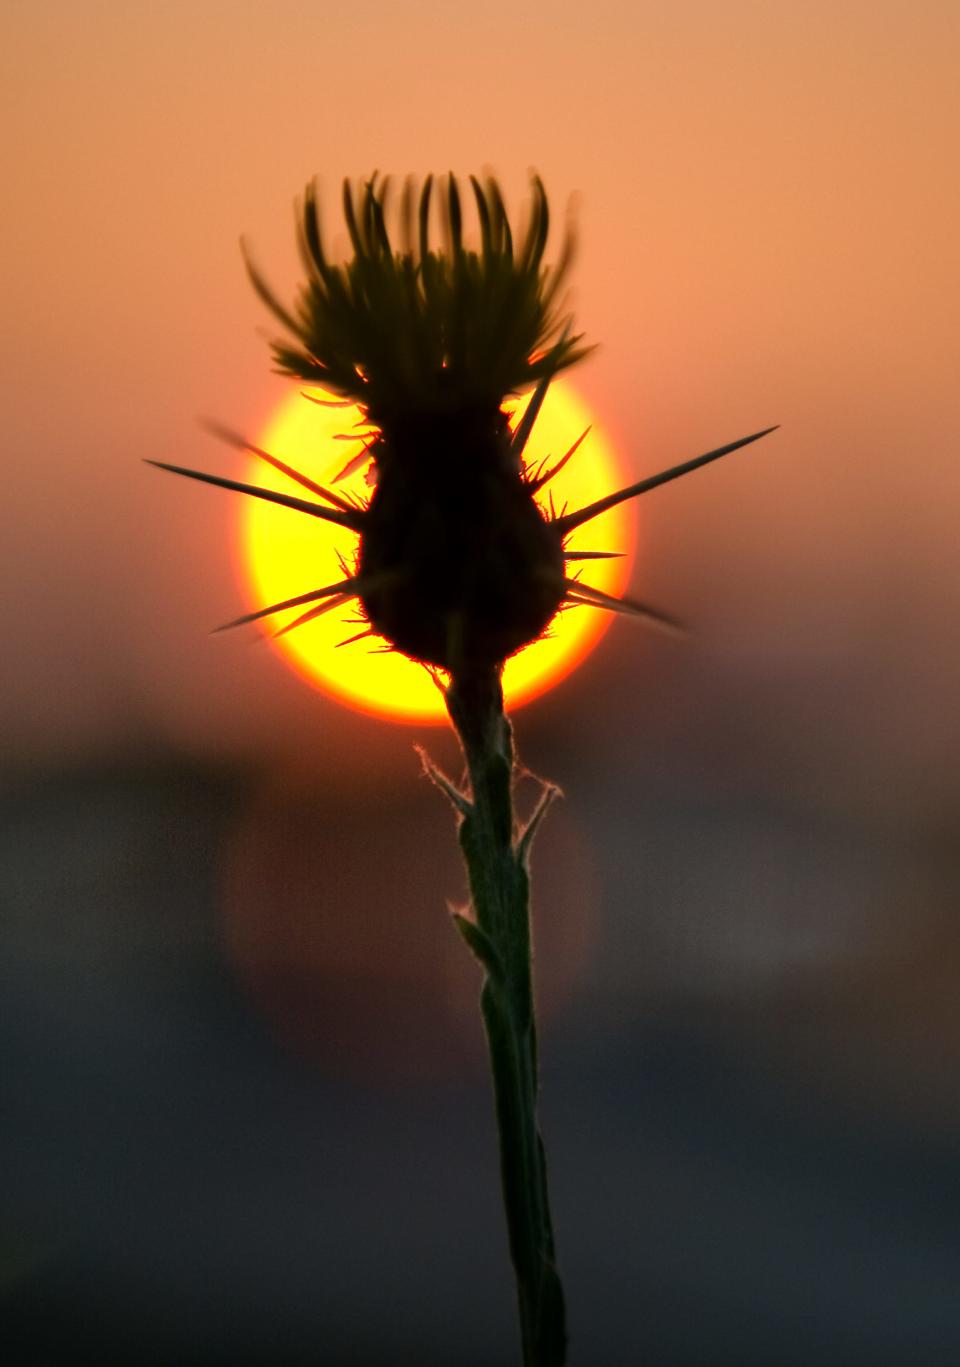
x: 457, y: 566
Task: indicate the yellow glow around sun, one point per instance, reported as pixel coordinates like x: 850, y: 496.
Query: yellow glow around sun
x: 284, y: 553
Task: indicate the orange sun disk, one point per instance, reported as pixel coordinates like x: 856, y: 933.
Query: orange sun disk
x: 283, y: 554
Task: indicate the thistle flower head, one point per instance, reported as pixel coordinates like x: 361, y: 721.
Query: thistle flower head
x: 458, y: 566
x: 417, y: 329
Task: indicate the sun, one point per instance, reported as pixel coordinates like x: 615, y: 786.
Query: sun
x: 282, y: 555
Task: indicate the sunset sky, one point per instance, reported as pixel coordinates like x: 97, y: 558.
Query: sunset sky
x: 767, y: 203
x: 747, y: 935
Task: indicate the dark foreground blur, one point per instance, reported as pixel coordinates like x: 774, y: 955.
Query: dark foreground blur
x: 246, y: 1119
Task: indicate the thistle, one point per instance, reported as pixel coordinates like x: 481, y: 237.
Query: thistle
x: 457, y: 566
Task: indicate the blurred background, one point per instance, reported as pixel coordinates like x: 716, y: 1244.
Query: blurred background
x: 245, y: 1115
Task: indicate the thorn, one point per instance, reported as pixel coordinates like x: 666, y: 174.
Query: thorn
x: 234, y: 439
x: 354, y: 464
x: 367, y: 631
x: 305, y: 617
x: 525, y: 426
x: 353, y: 519
x: 531, y: 473
x: 327, y: 403
x: 631, y: 607
x: 593, y: 555
x: 568, y: 522
x: 541, y: 478
x: 297, y: 602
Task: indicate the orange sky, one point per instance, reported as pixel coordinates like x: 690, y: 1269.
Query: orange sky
x: 768, y: 210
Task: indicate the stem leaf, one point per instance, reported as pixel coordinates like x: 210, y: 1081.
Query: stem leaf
x: 458, y: 800
x: 547, y: 797
x: 480, y: 945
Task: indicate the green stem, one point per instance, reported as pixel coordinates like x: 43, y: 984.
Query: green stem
x: 499, y: 935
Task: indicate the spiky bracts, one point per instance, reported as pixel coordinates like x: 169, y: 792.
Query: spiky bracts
x: 419, y: 329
